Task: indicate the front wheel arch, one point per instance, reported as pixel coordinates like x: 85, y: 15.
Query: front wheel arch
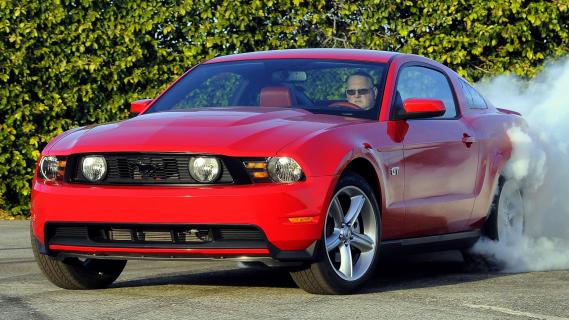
x: 366, y: 170
x: 321, y: 276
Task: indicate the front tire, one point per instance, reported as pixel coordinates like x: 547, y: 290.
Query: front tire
x: 76, y: 274
x: 349, y: 246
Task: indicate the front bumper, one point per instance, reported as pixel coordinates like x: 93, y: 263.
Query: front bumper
x: 264, y: 206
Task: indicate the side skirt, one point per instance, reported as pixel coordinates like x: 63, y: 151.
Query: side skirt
x: 451, y: 241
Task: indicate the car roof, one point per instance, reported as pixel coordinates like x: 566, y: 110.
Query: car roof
x: 332, y: 54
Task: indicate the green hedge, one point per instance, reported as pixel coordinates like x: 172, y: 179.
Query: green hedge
x: 68, y: 63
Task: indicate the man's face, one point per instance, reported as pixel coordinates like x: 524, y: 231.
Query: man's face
x: 357, y: 84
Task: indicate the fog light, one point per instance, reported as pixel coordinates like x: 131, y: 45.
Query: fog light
x: 205, y: 169
x: 94, y: 168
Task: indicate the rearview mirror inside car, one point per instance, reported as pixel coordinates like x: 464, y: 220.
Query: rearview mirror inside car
x: 289, y: 76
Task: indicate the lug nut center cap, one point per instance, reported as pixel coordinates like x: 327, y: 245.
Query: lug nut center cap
x: 346, y: 233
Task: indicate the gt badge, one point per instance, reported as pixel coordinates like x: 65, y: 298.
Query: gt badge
x: 394, y: 171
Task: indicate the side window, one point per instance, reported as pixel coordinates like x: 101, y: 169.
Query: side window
x: 421, y: 82
x: 474, y: 99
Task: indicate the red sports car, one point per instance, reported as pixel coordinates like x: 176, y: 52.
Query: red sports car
x: 316, y: 159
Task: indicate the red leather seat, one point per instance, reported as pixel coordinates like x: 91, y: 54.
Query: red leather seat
x: 276, y: 97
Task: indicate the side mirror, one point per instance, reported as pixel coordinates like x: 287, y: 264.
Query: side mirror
x: 417, y: 108
x: 138, y: 106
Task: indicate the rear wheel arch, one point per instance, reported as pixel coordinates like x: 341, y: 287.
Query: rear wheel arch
x: 497, y: 174
x: 488, y: 229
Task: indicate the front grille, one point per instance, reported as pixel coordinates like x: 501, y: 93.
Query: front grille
x: 163, y: 168
x: 236, y: 234
x: 168, y: 236
x: 114, y: 234
x: 145, y: 168
x: 160, y: 236
x: 77, y: 232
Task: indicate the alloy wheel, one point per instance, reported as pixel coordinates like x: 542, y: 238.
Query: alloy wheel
x: 510, y: 213
x: 350, y: 233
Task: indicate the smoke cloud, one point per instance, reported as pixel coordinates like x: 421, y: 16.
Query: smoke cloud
x: 540, y: 165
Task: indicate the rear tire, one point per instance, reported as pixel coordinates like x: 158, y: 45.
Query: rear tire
x: 505, y: 224
x: 347, y: 253
x: 507, y: 216
x: 76, y: 274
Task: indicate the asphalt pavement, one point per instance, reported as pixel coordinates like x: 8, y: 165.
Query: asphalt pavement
x: 433, y: 286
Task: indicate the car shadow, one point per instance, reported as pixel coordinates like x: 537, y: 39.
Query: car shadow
x: 237, y: 277
x: 427, y: 270
x: 393, y: 273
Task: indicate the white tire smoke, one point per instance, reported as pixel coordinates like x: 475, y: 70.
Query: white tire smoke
x: 540, y: 165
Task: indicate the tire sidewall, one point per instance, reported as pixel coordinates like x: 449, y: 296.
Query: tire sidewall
x: 491, y: 229
x: 336, y: 283
x: 70, y: 274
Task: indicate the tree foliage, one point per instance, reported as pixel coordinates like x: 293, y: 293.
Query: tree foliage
x: 66, y: 63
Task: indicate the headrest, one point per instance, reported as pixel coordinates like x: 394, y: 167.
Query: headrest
x: 276, y: 97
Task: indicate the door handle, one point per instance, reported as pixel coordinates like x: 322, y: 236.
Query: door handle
x: 468, y: 140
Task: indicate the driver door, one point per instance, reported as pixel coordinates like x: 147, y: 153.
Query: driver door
x: 440, y: 168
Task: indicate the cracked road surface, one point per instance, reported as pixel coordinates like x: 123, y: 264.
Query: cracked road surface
x: 434, y: 286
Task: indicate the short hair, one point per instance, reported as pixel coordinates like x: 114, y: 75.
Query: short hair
x: 361, y: 73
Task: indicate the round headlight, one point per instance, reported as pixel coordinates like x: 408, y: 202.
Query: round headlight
x: 205, y: 169
x: 94, y: 168
x: 48, y: 168
x: 284, y: 169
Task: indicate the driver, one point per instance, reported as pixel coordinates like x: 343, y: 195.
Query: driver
x: 360, y: 90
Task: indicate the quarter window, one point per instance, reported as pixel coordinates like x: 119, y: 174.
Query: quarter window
x: 421, y: 82
x: 473, y: 98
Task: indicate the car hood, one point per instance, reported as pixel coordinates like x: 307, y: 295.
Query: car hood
x: 237, y: 131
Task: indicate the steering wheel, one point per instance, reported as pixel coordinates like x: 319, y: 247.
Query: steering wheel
x: 344, y: 104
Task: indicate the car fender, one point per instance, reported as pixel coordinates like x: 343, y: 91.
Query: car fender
x: 327, y: 152
x: 330, y: 152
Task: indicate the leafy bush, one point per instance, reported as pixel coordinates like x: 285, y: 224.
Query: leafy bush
x: 66, y: 63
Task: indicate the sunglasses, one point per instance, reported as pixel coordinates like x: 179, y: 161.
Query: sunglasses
x: 361, y: 92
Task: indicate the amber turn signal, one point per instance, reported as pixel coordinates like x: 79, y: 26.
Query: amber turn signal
x: 256, y: 165
x: 300, y: 219
x: 260, y: 175
x: 257, y: 169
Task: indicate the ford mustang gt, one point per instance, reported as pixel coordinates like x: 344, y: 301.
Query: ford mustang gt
x: 317, y: 160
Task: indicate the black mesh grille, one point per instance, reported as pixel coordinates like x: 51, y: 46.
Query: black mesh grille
x: 136, y: 168
x: 238, y: 234
x: 76, y: 232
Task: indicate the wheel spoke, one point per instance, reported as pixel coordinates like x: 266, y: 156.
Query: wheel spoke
x: 356, y: 205
x: 350, y: 233
x: 363, y: 242
x: 333, y: 241
x: 337, y: 213
x: 346, y: 266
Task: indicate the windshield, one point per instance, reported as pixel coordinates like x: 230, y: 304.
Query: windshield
x: 347, y: 88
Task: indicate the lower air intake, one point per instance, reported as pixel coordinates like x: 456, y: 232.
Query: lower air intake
x: 160, y: 236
